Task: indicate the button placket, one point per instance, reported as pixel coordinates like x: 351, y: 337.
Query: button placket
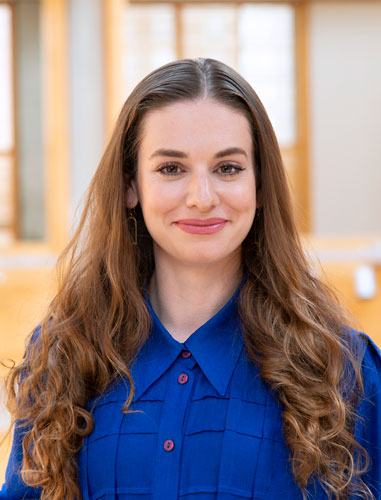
x: 170, y: 436
x: 186, y: 362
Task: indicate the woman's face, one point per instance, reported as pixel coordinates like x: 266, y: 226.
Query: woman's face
x: 197, y: 194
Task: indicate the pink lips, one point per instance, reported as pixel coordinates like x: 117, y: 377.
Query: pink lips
x: 201, y: 226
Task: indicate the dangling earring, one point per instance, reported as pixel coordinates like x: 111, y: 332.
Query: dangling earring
x: 131, y: 216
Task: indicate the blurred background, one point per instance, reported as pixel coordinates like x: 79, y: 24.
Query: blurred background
x: 66, y: 66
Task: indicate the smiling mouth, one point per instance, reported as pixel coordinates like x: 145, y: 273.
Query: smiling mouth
x: 199, y: 226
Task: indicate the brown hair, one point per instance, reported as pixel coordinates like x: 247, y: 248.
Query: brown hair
x: 293, y: 325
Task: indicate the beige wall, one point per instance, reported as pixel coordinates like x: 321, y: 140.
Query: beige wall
x: 86, y: 96
x: 345, y: 106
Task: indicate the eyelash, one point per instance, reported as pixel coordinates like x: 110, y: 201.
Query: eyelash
x: 172, y: 164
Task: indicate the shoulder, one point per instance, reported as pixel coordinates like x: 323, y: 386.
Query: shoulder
x: 368, y: 411
x: 371, y: 367
x: 35, y: 336
x: 368, y: 355
x: 32, y: 342
x: 32, y: 339
x: 368, y: 348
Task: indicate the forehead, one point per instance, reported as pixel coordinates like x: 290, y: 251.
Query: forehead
x: 203, y: 124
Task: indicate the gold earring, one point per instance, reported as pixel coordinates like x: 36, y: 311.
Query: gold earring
x: 131, y: 216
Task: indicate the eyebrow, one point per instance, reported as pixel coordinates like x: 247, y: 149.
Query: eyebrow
x: 180, y: 154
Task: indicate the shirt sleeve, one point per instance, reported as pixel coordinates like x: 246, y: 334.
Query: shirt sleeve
x: 3, y: 493
x: 14, y: 488
x: 368, y: 426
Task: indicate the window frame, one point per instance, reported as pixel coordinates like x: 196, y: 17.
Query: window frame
x: 13, y: 226
x: 55, y: 132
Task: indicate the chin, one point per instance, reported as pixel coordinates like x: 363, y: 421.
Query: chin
x: 198, y: 253
x: 198, y: 256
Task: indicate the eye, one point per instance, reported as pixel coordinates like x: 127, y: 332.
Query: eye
x: 172, y: 169
x: 230, y: 169
x: 169, y: 169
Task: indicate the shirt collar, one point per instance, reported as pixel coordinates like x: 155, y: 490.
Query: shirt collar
x: 215, y: 346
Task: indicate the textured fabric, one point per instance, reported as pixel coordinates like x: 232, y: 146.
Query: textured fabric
x: 206, y: 427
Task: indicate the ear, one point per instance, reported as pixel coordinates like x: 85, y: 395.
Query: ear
x: 132, y: 198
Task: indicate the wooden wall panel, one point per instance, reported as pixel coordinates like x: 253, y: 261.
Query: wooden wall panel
x: 55, y: 120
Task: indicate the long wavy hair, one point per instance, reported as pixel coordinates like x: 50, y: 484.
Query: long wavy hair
x: 293, y: 325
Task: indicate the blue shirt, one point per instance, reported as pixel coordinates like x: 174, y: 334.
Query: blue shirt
x: 206, y: 426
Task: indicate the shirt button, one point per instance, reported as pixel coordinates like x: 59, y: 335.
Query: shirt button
x: 185, y: 354
x: 169, y: 445
x: 183, y: 378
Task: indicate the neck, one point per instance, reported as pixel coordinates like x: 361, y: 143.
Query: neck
x: 184, y: 298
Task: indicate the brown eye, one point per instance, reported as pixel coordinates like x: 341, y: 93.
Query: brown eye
x: 230, y: 169
x: 169, y: 169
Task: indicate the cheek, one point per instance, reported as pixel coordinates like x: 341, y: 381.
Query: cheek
x: 159, y: 198
x: 242, y: 197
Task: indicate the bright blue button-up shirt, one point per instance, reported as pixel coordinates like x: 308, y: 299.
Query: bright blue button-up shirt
x: 206, y: 426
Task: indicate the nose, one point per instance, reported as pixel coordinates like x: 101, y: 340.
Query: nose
x: 201, y: 192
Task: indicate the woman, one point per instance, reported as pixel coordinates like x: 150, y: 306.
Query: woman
x: 190, y: 351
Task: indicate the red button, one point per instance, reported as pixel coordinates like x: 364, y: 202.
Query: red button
x: 185, y: 354
x: 169, y: 445
x: 183, y: 378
